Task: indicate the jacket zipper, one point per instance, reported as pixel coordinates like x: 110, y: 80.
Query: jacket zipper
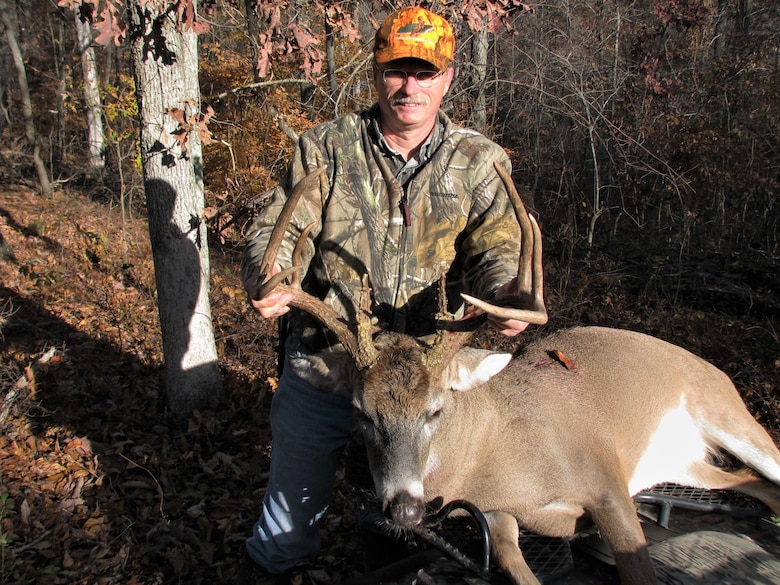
x: 406, y: 216
x: 405, y: 211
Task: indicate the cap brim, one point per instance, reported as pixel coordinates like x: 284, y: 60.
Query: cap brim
x: 394, y: 53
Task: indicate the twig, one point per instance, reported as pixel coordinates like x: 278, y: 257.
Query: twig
x: 26, y: 381
x: 157, y: 483
x: 11, y: 397
x: 32, y: 543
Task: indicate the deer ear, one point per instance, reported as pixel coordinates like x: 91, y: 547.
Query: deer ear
x: 473, y: 367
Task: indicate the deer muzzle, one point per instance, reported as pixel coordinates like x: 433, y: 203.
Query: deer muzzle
x: 405, y: 509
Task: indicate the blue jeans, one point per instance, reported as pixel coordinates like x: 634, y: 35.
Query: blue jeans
x: 310, y: 429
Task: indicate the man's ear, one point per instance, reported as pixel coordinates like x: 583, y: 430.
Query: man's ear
x: 377, y: 81
x: 473, y: 367
x: 449, y: 75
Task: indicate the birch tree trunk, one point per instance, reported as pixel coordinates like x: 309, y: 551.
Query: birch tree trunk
x: 95, y: 137
x: 165, y: 66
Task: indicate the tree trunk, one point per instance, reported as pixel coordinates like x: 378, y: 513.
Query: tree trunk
x: 166, y: 76
x: 330, y: 56
x: 719, y: 42
x: 253, y: 31
x: 479, y: 55
x: 745, y: 12
x: 95, y: 137
x: 8, y: 17
x: 62, y: 72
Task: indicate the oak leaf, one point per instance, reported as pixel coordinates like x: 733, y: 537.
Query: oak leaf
x: 563, y: 359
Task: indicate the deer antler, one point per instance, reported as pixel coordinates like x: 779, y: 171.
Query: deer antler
x: 528, y: 304
x: 358, y: 344
x: 450, y: 335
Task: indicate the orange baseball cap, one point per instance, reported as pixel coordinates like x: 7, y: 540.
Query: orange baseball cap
x: 417, y: 33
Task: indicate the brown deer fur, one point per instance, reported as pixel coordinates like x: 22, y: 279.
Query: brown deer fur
x: 545, y: 443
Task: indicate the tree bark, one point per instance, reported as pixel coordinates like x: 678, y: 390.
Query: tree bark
x: 745, y: 12
x: 719, y: 42
x: 8, y: 18
x: 166, y: 77
x: 94, y: 106
x: 330, y: 56
x: 479, y: 55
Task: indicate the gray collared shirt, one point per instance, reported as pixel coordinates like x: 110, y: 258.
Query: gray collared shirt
x: 406, y: 169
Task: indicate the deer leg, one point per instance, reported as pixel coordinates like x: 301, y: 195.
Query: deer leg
x: 615, y: 516
x: 504, y: 534
x: 707, y: 476
x: 746, y: 440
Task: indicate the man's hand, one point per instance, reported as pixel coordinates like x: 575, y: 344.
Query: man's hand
x: 508, y: 327
x: 275, y: 304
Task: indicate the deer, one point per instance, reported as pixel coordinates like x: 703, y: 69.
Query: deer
x: 561, y: 433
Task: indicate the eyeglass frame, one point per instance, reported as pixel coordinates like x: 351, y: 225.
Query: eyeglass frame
x: 425, y: 84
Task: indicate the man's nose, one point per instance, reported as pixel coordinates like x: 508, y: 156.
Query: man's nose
x: 410, y: 83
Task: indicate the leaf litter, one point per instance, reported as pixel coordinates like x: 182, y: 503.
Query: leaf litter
x: 98, y: 484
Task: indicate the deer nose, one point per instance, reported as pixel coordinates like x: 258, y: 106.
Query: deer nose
x: 406, y: 510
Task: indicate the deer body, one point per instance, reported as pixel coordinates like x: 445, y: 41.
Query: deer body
x: 532, y: 439
x: 547, y: 445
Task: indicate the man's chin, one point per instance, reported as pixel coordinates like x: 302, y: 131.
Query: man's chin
x: 409, y: 113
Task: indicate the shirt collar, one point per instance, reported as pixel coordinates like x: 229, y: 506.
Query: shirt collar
x: 425, y: 153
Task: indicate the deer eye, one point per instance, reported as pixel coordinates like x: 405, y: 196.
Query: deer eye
x: 433, y: 415
x: 363, y: 421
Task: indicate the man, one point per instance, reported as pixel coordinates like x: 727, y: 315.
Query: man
x: 406, y: 195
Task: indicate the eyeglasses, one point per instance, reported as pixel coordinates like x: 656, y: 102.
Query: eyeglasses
x: 398, y: 77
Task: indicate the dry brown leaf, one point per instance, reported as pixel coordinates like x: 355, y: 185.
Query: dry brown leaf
x: 563, y: 359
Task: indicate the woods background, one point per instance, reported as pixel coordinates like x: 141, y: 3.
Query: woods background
x: 643, y: 134
x: 652, y: 121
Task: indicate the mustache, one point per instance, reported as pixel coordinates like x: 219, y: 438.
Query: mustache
x: 410, y: 101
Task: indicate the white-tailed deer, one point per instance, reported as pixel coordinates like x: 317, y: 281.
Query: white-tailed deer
x: 569, y: 429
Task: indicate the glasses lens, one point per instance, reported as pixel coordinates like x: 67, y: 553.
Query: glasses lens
x: 395, y: 77
x: 426, y: 78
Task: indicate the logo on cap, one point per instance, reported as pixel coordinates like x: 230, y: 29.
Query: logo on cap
x: 415, y: 29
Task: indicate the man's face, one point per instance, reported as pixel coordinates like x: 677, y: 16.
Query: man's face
x: 403, y: 100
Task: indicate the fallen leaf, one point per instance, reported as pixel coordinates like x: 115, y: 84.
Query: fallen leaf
x: 563, y: 359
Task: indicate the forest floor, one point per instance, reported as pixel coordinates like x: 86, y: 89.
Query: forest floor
x: 100, y: 484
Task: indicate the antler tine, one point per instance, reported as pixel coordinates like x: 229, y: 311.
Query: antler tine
x: 528, y: 305
x: 450, y: 336
x: 308, y: 183
x: 362, y: 350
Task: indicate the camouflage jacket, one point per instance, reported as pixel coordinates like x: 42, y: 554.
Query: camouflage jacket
x: 452, y: 216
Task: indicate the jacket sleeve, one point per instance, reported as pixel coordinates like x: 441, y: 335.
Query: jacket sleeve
x: 306, y: 159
